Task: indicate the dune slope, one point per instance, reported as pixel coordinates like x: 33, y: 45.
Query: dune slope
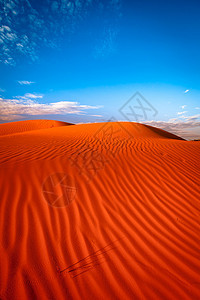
x: 99, y: 211
x: 22, y: 126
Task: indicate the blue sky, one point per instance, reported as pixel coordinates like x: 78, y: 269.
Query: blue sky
x: 81, y: 61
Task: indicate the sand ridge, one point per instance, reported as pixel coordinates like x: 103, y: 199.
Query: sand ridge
x: 96, y: 211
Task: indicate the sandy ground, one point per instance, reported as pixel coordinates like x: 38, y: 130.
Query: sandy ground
x: 98, y: 211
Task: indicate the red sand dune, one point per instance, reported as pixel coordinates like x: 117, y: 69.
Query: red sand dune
x: 18, y: 127
x: 98, y: 211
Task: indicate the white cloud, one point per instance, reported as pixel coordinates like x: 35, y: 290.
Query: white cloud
x: 197, y: 107
x: 5, y: 28
x: 181, y: 112
x: 188, y: 128
x: 191, y: 118
x: 10, y: 108
x: 7, y: 118
x: 11, y: 36
x: 183, y: 106
x: 9, y: 61
x: 186, y: 91
x: 24, y: 82
x: 29, y: 96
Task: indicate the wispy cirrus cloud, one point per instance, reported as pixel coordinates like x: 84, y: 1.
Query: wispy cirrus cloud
x: 12, y: 109
x: 13, y: 44
x: 106, y: 44
x: 186, y: 91
x: 27, y: 25
x: 25, y: 82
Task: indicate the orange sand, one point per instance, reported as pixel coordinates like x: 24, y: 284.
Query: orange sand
x: 98, y: 211
x: 17, y: 127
